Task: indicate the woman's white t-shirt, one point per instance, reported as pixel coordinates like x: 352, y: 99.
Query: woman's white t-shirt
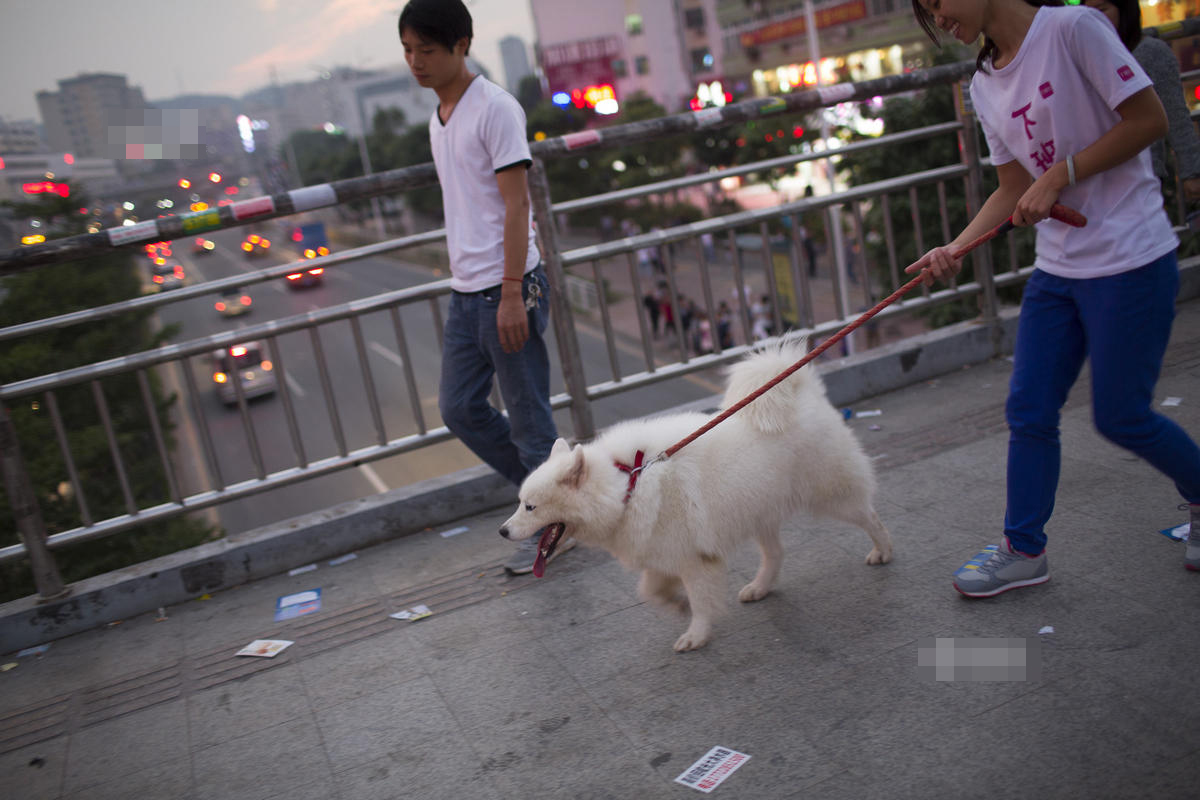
x: 484, y: 135
x: 1055, y: 98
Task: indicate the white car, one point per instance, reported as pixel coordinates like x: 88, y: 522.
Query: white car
x: 245, y: 361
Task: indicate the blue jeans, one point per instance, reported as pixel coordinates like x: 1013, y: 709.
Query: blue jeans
x: 1122, y: 324
x: 472, y: 357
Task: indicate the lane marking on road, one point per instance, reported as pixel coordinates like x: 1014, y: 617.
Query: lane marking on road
x: 196, y: 270
x: 294, y: 386
x: 386, y: 353
x: 373, y: 478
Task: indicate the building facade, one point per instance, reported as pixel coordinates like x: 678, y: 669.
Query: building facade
x: 78, y: 117
x: 768, y: 50
x: 515, y: 57
x: 26, y: 175
x: 20, y: 136
x: 664, y: 49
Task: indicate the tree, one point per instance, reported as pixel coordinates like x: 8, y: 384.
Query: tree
x: 57, y: 289
x: 325, y: 157
x: 529, y: 92
x: 927, y: 107
x: 755, y: 140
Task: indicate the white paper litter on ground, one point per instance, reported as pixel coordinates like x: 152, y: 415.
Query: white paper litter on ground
x: 1046, y: 629
x: 716, y: 765
x: 33, y: 651
x: 302, y: 570
x: 265, y: 648
x: 454, y: 531
x: 412, y: 614
x: 873, y: 413
x: 1172, y: 401
x: 343, y: 559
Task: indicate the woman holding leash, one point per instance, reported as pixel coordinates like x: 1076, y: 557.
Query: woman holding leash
x: 1068, y: 114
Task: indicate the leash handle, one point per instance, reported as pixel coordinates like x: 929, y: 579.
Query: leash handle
x: 1064, y: 214
x: 1059, y: 212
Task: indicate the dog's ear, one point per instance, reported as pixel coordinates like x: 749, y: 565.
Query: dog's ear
x: 574, y: 476
x: 560, y: 446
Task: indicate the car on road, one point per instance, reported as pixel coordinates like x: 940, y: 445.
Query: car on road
x: 167, y: 275
x: 306, y: 277
x: 256, y: 246
x: 202, y: 246
x: 233, y: 302
x: 244, y: 363
x: 311, y: 241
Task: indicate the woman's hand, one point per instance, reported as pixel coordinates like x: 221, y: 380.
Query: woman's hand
x: 938, y: 264
x: 1034, y: 205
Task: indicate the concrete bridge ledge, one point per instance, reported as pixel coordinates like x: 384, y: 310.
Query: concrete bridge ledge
x: 330, y: 532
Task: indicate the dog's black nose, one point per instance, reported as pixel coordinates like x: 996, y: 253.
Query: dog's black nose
x: 504, y: 532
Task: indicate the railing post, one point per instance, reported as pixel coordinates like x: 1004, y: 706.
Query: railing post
x: 560, y: 306
x: 27, y: 514
x: 981, y: 258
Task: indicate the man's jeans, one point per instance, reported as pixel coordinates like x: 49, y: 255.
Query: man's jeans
x: 472, y: 356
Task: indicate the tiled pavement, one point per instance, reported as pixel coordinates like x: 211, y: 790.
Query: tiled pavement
x: 567, y: 687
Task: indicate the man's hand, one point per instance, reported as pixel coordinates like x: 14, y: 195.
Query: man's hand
x: 512, y: 323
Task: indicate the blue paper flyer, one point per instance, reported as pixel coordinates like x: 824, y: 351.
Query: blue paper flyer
x: 297, y: 605
x: 1179, y: 533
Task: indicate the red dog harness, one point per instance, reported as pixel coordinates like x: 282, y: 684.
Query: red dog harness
x: 633, y: 471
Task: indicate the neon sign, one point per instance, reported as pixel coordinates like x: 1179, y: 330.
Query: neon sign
x: 46, y: 187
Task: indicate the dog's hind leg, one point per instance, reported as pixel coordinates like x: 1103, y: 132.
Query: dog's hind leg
x: 866, y: 518
x: 771, y: 556
x: 658, y: 587
x: 704, y: 582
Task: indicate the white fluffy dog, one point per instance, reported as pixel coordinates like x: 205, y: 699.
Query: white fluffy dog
x: 787, y: 451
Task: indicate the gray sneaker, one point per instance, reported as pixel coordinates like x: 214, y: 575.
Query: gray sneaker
x: 525, y: 557
x: 998, y: 568
x: 1191, y: 559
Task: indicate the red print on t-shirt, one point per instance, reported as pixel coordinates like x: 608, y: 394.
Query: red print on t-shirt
x: 1044, y: 157
x: 1046, y: 89
x: 1125, y: 73
x: 1023, y: 112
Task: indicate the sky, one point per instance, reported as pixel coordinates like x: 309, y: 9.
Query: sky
x: 174, y: 47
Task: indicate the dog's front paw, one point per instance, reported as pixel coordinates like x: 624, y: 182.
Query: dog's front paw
x: 752, y: 592
x: 877, y: 556
x: 691, y: 640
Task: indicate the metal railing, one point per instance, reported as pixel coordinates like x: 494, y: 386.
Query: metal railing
x: 775, y: 261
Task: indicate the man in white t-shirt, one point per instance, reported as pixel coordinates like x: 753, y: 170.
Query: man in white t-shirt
x: 499, y: 307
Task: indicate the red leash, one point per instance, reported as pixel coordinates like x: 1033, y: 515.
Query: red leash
x: 1059, y: 212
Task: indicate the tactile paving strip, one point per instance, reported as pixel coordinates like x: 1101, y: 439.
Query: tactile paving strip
x: 135, y: 691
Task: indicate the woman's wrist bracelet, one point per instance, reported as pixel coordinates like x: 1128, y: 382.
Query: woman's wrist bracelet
x: 1070, y: 170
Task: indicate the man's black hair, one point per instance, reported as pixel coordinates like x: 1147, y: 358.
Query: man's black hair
x: 440, y: 21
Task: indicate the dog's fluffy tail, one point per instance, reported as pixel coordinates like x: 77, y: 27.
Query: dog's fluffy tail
x: 774, y: 410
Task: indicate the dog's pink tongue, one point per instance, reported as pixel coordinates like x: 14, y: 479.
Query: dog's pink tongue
x: 539, y: 563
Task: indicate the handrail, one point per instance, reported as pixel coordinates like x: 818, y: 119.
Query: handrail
x: 406, y: 178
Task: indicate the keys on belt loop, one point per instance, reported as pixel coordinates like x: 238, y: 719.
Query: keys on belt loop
x: 534, y: 294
